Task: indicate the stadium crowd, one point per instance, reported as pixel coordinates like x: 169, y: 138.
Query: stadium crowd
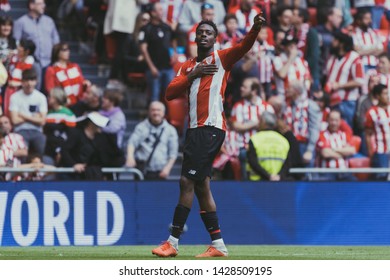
x: 312, y: 92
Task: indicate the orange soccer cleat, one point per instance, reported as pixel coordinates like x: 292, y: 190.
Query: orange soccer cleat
x: 211, y: 252
x: 165, y: 250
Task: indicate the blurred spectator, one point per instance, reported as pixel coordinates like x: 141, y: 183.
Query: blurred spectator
x: 227, y: 162
x: 294, y: 3
x: 13, y: 141
x: 5, y: 6
x: 111, y: 109
x: 207, y: 13
x: 65, y: 74
x: 40, y: 29
x: 59, y: 122
x: 334, y: 17
x: 153, y: 146
x: 289, y: 67
x: 304, y: 119
x: 345, y: 76
x: 277, y: 102
x: 284, y: 19
x: 191, y: 14
x: 268, y: 152
x: 308, y: 43
x: 382, y: 72
x: 156, y: 38
x: 246, y: 116
x: 245, y: 12
x: 118, y: 24
x: 87, y: 149
x: 231, y: 36
x: 89, y: 102
x: 265, y: 54
x: 378, y: 131
x: 23, y: 60
x: 334, y: 148
x: 135, y: 61
x: 7, y: 41
x: 95, y: 22
x: 35, y: 161
x: 367, y: 42
x: 6, y: 153
x: 70, y: 15
x: 28, y: 109
x: 172, y: 10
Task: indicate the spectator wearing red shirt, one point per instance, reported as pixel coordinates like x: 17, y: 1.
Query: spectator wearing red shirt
x: 65, y: 74
x: 378, y: 131
x: 334, y: 148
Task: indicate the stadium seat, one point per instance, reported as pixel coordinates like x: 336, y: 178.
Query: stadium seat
x: 360, y: 162
x: 356, y: 141
x: 137, y: 80
x: 177, y: 110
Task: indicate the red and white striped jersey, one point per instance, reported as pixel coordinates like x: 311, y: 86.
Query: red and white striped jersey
x: 6, y: 155
x: 383, y: 79
x: 14, y: 142
x: 367, y: 40
x: 302, y: 38
x: 245, y: 111
x: 17, y: 66
x: 267, y: 54
x: 245, y: 19
x: 378, y: 119
x: 171, y: 10
x: 348, y: 68
x: 333, y: 140
x: 297, y: 118
x: 207, y: 94
x: 231, y: 148
x: 298, y: 71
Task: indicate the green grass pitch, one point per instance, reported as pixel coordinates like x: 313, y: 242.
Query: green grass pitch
x: 187, y: 252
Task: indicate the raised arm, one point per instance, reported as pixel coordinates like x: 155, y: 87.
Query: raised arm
x: 232, y: 55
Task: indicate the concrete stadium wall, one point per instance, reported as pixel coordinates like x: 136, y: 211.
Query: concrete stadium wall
x: 128, y: 213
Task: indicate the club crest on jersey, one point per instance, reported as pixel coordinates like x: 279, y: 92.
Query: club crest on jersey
x: 208, y: 60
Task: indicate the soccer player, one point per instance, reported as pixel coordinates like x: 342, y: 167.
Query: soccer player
x: 204, y: 79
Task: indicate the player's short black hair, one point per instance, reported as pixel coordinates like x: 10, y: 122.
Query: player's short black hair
x: 209, y: 22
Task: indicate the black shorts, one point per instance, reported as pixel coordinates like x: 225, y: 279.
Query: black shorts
x: 201, y: 146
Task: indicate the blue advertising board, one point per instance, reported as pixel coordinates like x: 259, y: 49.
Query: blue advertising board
x: 139, y: 213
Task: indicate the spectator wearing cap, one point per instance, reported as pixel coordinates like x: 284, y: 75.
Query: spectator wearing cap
x: 90, y: 101
x: 191, y: 14
x: 28, y: 110
x: 207, y: 13
x: 87, y: 149
x: 344, y: 76
x: 367, y: 42
x: 60, y: 120
x: 111, y: 101
x: 245, y: 12
x: 289, y: 66
x: 156, y: 39
x: 39, y: 28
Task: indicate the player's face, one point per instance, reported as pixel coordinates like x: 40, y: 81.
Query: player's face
x: 334, y: 121
x: 205, y: 37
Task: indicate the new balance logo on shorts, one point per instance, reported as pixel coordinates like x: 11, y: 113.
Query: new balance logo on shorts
x: 192, y: 172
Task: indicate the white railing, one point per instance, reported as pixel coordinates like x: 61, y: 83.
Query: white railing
x: 113, y: 170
